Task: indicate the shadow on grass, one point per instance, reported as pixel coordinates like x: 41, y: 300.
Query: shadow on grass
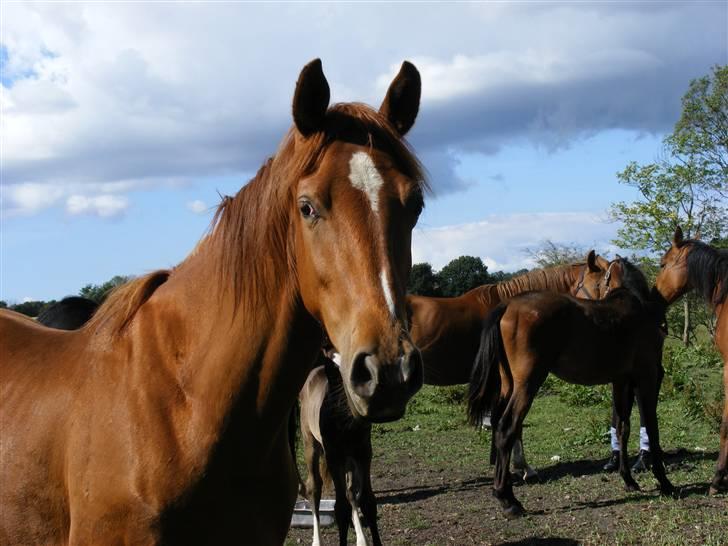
x: 541, y: 541
x: 417, y: 493
x: 588, y: 467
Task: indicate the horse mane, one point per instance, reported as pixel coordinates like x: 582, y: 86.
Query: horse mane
x: 557, y: 278
x: 708, y: 270
x: 250, y: 231
x: 125, y: 300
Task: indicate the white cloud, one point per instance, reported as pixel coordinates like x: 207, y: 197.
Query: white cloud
x: 197, y: 206
x: 30, y: 198
x: 104, y: 206
x: 109, y: 92
x: 502, y: 240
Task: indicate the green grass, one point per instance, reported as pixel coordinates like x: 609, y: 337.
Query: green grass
x: 431, y: 475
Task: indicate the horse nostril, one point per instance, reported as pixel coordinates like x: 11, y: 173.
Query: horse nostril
x: 364, y: 375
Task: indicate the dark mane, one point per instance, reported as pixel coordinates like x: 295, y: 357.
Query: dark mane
x: 708, y: 271
x: 250, y: 230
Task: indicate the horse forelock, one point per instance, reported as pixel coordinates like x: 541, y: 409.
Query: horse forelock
x: 707, y: 270
x: 250, y: 231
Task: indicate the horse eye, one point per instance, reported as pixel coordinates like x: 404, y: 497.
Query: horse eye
x: 307, y: 210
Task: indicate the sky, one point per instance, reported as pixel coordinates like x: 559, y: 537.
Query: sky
x: 123, y: 123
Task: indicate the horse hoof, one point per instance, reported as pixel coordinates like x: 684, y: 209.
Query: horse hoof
x: 718, y: 489
x: 670, y: 491
x: 514, y: 511
x: 632, y: 487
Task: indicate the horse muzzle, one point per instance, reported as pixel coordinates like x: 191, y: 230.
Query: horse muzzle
x: 379, y: 391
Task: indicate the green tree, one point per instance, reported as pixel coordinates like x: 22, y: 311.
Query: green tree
x: 463, y: 274
x: 30, y: 308
x: 98, y: 292
x: 687, y: 186
x: 551, y: 254
x: 423, y: 281
x: 3, y: 304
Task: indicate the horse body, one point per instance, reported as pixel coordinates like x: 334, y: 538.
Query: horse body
x: 339, y: 442
x: 691, y: 264
x: 447, y: 330
x: 617, y: 340
x: 163, y: 419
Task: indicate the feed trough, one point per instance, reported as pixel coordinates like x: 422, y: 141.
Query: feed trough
x: 302, y: 516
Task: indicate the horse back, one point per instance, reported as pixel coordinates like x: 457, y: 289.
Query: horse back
x: 447, y: 333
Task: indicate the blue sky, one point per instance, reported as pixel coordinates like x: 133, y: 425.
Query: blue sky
x: 121, y: 122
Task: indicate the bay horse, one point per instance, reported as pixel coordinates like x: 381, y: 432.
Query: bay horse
x: 447, y: 330
x: 691, y: 264
x: 338, y: 443
x: 616, y: 340
x: 70, y: 313
x: 163, y: 420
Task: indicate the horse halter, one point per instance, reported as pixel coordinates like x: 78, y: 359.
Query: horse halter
x: 607, y: 277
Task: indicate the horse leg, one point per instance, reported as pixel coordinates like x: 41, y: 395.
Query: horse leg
x: 369, y: 502
x: 519, y: 459
x: 623, y: 396
x: 649, y: 393
x: 720, y: 480
x: 342, y: 508
x: 314, y: 485
x: 508, y: 427
x: 353, y: 494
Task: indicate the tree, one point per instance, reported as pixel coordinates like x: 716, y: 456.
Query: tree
x: 687, y: 186
x: 3, y: 304
x: 30, y: 308
x: 551, y: 254
x: 98, y: 292
x: 423, y: 281
x: 463, y: 274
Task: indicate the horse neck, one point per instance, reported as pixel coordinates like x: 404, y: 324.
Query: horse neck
x: 556, y: 279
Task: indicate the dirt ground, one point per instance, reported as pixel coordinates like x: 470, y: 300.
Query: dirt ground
x: 436, y: 489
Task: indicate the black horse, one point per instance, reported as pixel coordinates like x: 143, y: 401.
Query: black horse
x: 68, y: 314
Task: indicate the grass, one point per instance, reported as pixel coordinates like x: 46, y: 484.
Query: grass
x: 431, y: 475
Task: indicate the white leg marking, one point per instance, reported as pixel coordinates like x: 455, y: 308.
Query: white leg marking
x: 337, y: 359
x: 364, y: 176
x: 316, y: 531
x: 361, y: 538
x: 387, y: 291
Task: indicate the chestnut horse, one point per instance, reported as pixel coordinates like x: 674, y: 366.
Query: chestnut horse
x: 616, y: 340
x: 692, y: 264
x: 447, y: 330
x: 164, y: 418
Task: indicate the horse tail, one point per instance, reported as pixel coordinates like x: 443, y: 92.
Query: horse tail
x: 485, y: 379
x: 294, y: 420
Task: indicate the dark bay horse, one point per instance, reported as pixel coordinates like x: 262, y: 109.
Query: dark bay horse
x: 616, y: 340
x: 690, y: 264
x: 68, y: 314
x: 447, y: 330
x: 163, y: 420
x: 339, y: 444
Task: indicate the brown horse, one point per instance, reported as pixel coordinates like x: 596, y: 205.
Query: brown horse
x: 163, y: 419
x: 617, y: 340
x: 692, y: 264
x: 447, y: 330
x: 337, y: 443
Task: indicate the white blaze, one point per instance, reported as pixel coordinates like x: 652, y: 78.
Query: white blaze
x: 387, y: 291
x: 364, y: 176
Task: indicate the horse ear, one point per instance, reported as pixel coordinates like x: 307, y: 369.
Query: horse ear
x: 402, y: 102
x: 677, y: 239
x: 603, y: 263
x: 311, y: 99
x: 591, y: 261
